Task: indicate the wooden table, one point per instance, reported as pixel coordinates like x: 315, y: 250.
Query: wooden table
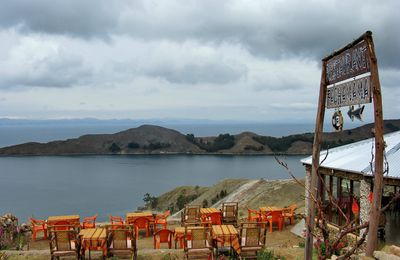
x: 132, y: 216
x: 73, y: 220
x: 179, y: 235
x: 266, y: 209
x: 226, y: 234
x: 93, y: 239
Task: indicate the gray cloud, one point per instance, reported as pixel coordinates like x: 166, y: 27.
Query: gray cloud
x: 86, y: 19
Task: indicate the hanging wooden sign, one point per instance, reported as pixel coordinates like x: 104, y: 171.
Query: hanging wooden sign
x: 354, y: 92
x: 348, y: 64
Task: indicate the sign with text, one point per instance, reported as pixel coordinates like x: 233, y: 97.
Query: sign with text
x: 350, y: 93
x: 350, y: 63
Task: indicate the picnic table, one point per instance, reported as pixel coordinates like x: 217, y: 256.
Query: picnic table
x: 73, y: 220
x: 93, y: 239
x: 132, y: 216
x: 226, y: 234
x: 268, y: 209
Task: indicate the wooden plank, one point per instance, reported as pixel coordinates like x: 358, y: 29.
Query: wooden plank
x: 350, y: 63
x: 354, y: 92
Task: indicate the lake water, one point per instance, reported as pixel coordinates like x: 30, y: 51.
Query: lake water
x: 40, y: 186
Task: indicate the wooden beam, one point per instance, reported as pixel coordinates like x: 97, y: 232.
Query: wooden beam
x: 313, y: 183
x: 372, y: 240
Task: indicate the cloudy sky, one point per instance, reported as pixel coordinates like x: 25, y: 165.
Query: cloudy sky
x: 204, y: 59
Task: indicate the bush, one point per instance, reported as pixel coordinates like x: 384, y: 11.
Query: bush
x: 133, y: 145
x: 157, y: 145
x: 114, y: 148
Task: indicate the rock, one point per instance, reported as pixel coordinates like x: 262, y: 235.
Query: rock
x: 380, y: 255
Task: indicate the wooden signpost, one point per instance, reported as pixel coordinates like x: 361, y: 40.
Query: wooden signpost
x: 354, y: 60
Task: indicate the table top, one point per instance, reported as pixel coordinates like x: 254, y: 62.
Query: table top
x: 93, y: 233
x: 208, y: 210
x: 270, y: 209
x: 66, y: 217
x: 224, y: 230
x: 139, y: 214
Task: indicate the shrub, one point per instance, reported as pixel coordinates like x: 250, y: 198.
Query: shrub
x: 114, y: 148
x: 156, y: 145
x: 133, y: 145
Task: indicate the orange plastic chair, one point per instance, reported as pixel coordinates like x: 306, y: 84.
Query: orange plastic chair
x: 253, y: 215
x: 89, y: 222
x: 215, y: 218
x: 62, y: 225
x: 163, y: 236
x: 273, y: 217
x: 38, y: 226
x: 161, y: 220
x: 288, y: 213
x: 142, y: 223
x: 116, y: 220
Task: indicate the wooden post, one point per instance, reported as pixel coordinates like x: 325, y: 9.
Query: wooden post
x: 319, y: 125
x: 375, y: 212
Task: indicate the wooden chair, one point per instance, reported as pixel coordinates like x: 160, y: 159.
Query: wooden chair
x: 252, y: 239
x: 121, y: 240
x: 161, y: 220
x: 230, y: 213
x: 197, y: 244
x: 253, y: 215
x: 142, y: 223
x: 191, y: 215
x: 89, y: 222
x: 273, y: 217
x: 288, y: 213
x: 64, y: 241
x: 38, y: 225
x: 163, y: 236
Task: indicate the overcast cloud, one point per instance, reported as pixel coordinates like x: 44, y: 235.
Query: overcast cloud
x: 236, y: 60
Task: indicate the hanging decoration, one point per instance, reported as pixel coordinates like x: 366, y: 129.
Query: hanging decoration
x: 355, y: 113
x: 337, y: 120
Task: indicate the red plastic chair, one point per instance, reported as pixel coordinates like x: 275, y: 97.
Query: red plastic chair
x: 253, y: 215
x: 288, y: 213
x: 89, y: 222
x: 116, y: 221
x: 38, y: 226
x: 163, y: 236
x: 215, y: 218
x: 161, y: 220
x: 142, y: 223
x: 273, y: 217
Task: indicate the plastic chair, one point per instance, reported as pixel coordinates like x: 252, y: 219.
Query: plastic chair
x: 163, y: 236
x: 161, y: 220
x: 38, y: 225
x: 89, y: 222
x: 116, y: 220
x: 273, y: 217
x: 142, y: 223
x: 214, y: 218
x: 288, y: 213
x: 253, y: 215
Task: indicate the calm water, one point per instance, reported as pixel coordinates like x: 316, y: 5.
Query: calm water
x: 40, y: 186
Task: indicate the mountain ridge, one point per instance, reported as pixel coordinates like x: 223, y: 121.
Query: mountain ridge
x: 152, y: 139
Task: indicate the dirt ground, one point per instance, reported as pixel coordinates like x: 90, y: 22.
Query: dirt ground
x: 284, y: 244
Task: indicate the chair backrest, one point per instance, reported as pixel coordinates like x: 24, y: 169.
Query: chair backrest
x: 252, y: 214
x: 164, y: 235
x: 192, y: 212
x: 253, y: 234
x: 198, y: 237
x: 37, y: 222
x: 141, y: 222
x: 121, y: 237
x: 163, y: 216
x: 230, y: 209
x: 89, y: 222
x: 64, y: 239
x: 215, y: 218
x: 116, y: 220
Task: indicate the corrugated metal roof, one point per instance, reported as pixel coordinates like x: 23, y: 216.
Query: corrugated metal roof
x: 356, y: 157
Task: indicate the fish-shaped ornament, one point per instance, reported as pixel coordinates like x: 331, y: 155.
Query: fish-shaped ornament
x: 355, y: 113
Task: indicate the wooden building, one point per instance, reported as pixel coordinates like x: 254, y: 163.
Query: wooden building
x: 347, y: 173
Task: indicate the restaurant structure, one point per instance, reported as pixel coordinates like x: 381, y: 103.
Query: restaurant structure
x: 347, y: 173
